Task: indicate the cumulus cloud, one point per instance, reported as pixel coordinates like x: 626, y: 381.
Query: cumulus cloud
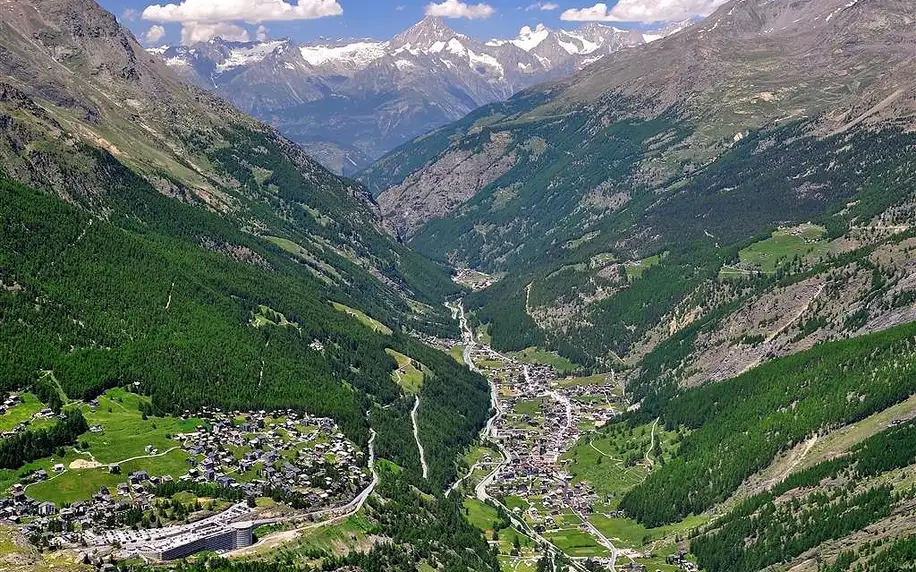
x: 643, y: 11
x: 457, y: 9
x: 202, y: 20
x: 546, y: 6
x: 262, y: 34
x: 154, y: 35
x: 251, y: 11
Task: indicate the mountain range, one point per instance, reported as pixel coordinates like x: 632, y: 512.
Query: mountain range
x: 679, y: 154
x: 349, y: 102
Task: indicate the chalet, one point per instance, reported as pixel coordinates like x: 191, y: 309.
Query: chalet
x: 47, y: 509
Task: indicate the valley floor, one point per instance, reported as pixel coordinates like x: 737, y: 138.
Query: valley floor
x: 539, y: 483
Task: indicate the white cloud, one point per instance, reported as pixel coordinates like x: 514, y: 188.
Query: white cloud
x: 129, y: 15
x: 193, y: 32
x: 643, y: 11
x: 546, y: 6
x: 251, y: 11
x: 457, y: 9
x: 154, y: 35
x: 262, y: 34
x: 203, y: 20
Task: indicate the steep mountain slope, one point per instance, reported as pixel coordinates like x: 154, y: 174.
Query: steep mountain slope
x: 80, y: 94
x: 350, y: 102
x: 614, y: 198
x: 167, y: 233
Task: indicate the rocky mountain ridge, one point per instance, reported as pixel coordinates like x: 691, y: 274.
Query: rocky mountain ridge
x: 350, y: 101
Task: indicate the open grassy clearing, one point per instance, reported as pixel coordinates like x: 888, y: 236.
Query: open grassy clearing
x: 480, y: 515
x: 267, y: 316
x: 80, y: 484
x: 576, y: 542
x: 539, y: 356
x: 627, y: 533
x: 457, y: 353
x: 530, y: 407
x: 514, y: 502
x: 22, y: 412
x: 351, y: 534
x: 363, y: 318
x: 613, y: 459
x: 489, y: 364
x: 635, y: 269
x: 408, y: 375
x: 125, y: 433
x: 9, y: 477
x: 804, y: 242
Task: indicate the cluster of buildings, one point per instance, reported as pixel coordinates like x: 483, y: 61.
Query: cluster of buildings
x: 537, y: 442
x: 228, y: 530
x: 305, y: 461
x: 11, y: 401
x: 282, y: 451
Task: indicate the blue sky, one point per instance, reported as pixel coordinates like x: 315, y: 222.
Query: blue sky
x: 176, y: 21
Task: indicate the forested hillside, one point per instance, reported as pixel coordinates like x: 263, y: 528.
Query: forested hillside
x: 739, y: 426
x: 154, y: 237
x: 103, y: 305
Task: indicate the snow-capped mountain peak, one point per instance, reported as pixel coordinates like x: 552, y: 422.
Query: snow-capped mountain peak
x: 379, y: 94
x: 358, y: 54
x: 529, y: 39
x: 424, y: 34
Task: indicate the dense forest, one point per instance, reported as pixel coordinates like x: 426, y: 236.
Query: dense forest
x: 773, y: 526
x: 740, y: 425
x: 165, y: 300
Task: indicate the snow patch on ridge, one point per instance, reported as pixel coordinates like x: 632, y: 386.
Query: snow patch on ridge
x: 248, y: 55
x: 360, y: 54
x: 529, y: 39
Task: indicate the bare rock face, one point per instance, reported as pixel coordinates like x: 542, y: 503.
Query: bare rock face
x: 450, y: 182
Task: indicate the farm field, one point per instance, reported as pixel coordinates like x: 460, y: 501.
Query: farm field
x: 576, y: 542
